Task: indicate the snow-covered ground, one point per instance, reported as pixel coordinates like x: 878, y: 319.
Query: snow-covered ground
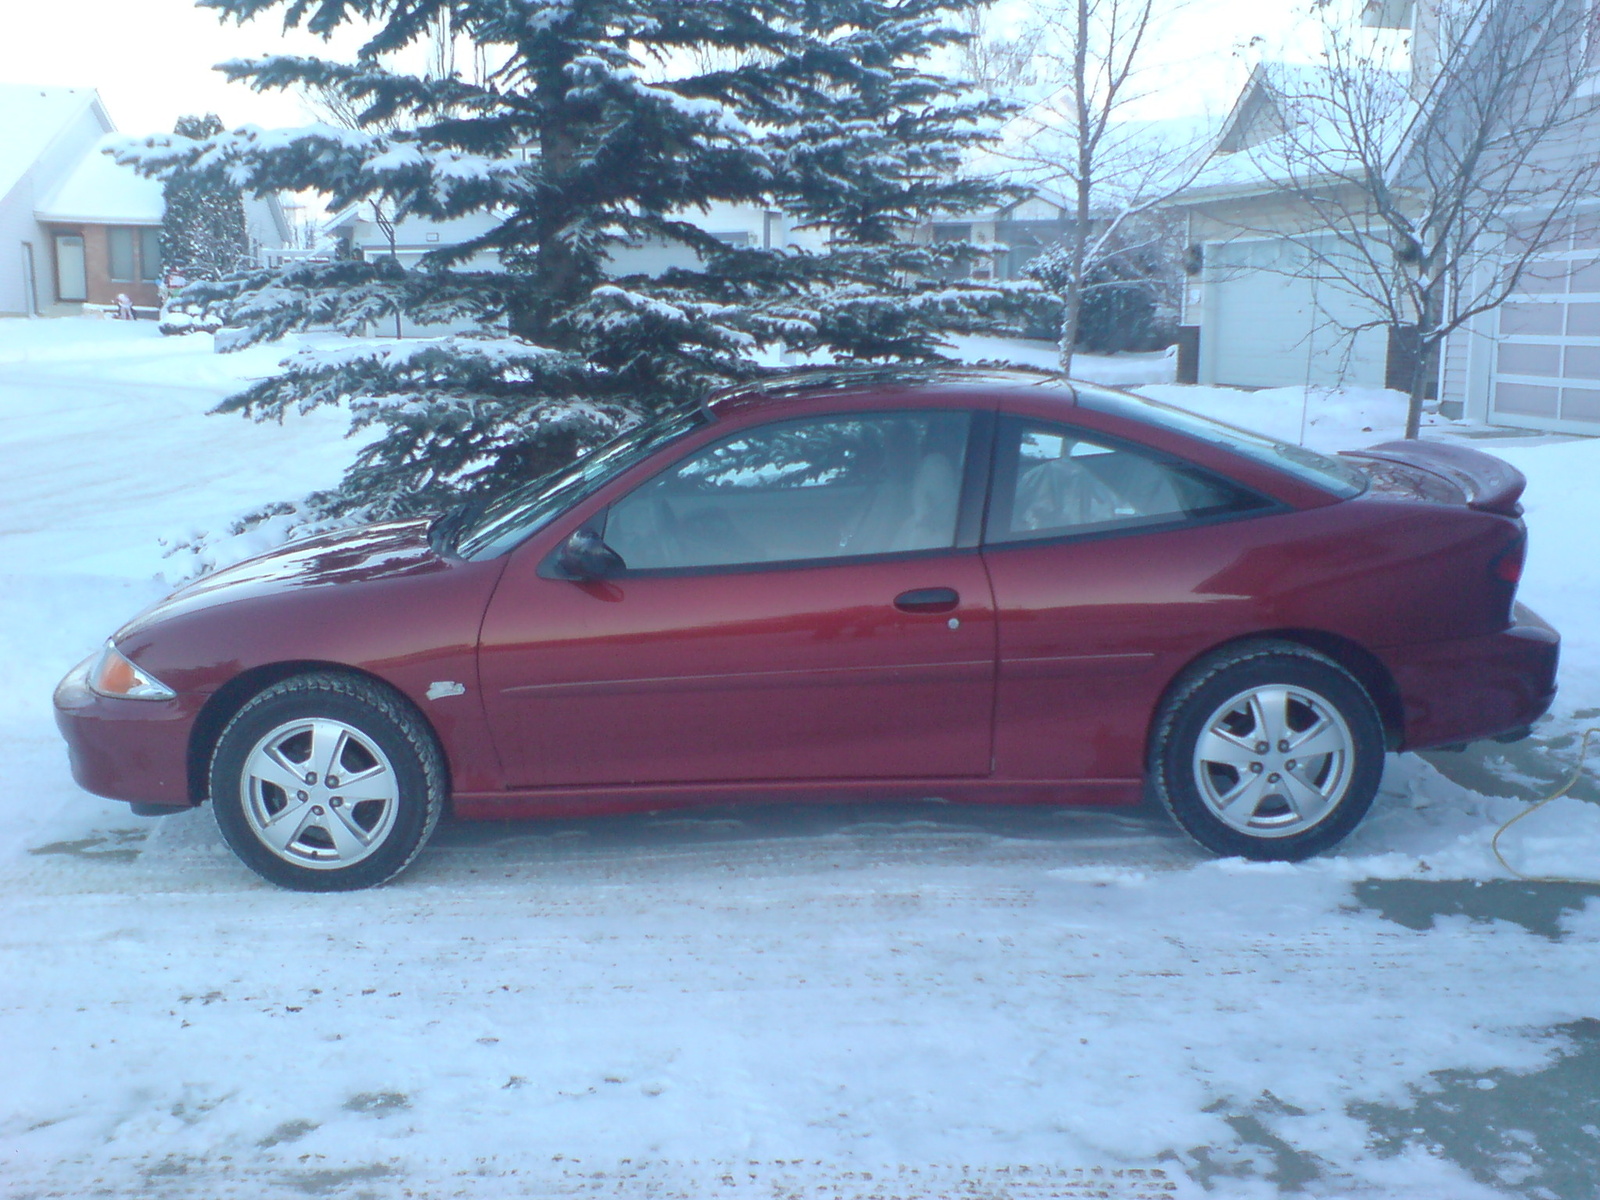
x: 895, y: 1001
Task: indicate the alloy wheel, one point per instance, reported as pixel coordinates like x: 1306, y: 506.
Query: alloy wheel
x: 1273, y: 761
x: 319, y: 793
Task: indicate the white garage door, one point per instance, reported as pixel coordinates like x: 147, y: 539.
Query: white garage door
x: 1267, y: 325
x: 1547, y: 357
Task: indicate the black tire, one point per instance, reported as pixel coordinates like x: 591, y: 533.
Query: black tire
x: 1285, y: 802
x: 307, y: 832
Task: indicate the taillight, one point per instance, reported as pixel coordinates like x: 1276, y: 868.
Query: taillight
x: 1507, y: 565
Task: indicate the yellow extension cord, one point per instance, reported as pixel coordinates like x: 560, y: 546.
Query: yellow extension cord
x: 1577, y: 774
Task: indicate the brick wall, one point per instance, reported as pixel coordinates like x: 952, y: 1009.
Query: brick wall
x: 97, y: 266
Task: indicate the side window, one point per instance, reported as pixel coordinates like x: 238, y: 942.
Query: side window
x: 1052, y: 481
x: 794, y: 491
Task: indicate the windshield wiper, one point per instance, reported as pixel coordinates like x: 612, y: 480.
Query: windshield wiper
x: 445, y: 532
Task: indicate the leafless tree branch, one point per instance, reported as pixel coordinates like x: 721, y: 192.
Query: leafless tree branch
x: 1112, y: 173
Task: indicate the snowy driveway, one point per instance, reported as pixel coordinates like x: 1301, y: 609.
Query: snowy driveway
x: 902, y: 1000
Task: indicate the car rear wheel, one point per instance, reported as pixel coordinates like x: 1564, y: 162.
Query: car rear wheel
x: 1270, y: 751
x: 326, y: 783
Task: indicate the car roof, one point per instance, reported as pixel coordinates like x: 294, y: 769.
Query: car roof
x: 839, y: 381
x: 1113, y: 412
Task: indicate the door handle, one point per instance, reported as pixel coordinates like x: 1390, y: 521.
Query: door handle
x: 927, y: 600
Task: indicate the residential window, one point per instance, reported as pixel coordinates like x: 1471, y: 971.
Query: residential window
x: 119, y: 245
x: 150, y: 254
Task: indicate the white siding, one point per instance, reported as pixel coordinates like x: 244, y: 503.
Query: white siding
x: 16, y: 227
x: 17, y: 223
x: 1453, y: 368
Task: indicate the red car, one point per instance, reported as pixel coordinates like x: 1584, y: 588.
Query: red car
x: 983, y: 586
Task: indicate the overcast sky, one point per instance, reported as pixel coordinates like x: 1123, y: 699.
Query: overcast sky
x: 151, y: 59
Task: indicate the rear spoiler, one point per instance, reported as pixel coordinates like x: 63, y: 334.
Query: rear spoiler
x: 1489, y: 484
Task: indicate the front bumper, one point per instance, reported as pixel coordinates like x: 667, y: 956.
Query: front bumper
x: 135, y: 750
x: 1470, y: 688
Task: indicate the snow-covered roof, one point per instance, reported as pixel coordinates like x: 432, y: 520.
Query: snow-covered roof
x: 1254, y: 150
x: 102, y: 193
x: 33, y: 117
x: 1274, y: 93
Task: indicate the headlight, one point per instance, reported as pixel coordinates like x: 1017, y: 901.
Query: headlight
x: 113, y: 675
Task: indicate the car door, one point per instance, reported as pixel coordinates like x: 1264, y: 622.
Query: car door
x: 796, y: 604
x: 1110, y: 566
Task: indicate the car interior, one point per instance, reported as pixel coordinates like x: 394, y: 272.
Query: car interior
x: 842, y: 487
x: 827, y: 488
x: 1067, y: 485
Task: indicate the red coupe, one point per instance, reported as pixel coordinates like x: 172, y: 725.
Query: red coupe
x: 980, y: 586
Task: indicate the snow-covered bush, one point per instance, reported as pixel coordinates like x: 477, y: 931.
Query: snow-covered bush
x: 179, y: 318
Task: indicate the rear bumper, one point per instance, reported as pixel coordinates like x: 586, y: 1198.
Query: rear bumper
x: 1471, y: 688
x: 136, y: 750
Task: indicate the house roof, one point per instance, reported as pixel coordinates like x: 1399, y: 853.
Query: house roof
x: 31, y: 118
x: 1253, y: 152
x: 101, y: 192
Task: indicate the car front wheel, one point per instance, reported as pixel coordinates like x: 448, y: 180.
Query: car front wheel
x: 1270, y: 751
x: 326, y: 783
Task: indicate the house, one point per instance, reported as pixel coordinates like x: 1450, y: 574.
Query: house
x: 1265, y: 316
x: 1534, y: 362
x: 48, y: 131
x: 1024, y: 228
x: 1262, y: 315
x: 103, y: 223
x: 361, y: 231
x: 76, y: 229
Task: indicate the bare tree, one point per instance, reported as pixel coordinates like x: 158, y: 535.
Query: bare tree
x: 1429, y: 197
x: 1005, y: 63
x: 1079, y: 143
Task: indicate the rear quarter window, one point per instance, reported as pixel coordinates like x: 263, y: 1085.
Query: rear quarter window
x: 1053, y: 481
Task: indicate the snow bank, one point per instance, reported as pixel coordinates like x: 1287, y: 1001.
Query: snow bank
x: 1562, y: 577
x: 1322, y: 418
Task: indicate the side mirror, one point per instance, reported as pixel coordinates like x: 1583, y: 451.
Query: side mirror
x: 586, y: 556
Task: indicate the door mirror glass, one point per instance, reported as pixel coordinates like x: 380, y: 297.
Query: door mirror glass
x: 586, y: 556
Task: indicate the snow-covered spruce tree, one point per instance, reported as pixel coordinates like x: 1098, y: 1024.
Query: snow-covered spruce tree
x: 600, y: 126
x: 203, y: 231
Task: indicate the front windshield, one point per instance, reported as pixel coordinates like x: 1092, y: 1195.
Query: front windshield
x: 528, y: 508
x: 1319, y: 470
